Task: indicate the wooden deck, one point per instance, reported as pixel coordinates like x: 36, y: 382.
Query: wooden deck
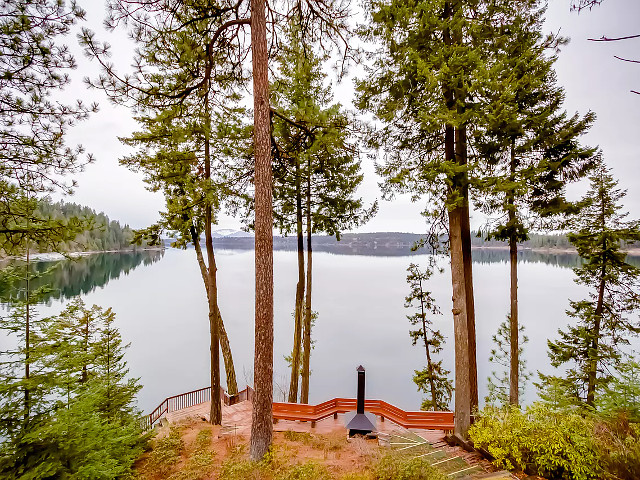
x: 237, y: 419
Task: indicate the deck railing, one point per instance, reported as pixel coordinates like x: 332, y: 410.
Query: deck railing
x: 314, y: 413
x: 189, y: 399
x: 310, y: 413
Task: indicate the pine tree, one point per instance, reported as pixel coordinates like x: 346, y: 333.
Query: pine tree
x: 604, y: 321
x: 80, y: 420
x: 316, y: 174
x: 499, y: 383
x: 433, y: 379
x: 33, y: 155
x: 426, y: 87
x: 529, y: 145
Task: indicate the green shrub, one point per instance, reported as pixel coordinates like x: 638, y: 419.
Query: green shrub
x: 304, y: 471
x: 395, y: 467
x: 539, y: 440
x: 618, y: 443
x: 166, y: 453
x: 238, y: 469
x: 200, y: 462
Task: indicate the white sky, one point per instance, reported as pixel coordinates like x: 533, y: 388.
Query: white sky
x: 592, y: 77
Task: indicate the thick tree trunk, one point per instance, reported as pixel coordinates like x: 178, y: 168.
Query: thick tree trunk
x: 458, y: 279
x: 298, y: 314
x: 306, y: 354
x: 262, y: 417
x: 514, y: 372
x: 461, y: 157
x: 460, y: 325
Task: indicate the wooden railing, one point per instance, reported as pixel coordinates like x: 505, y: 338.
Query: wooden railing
x: 309, y: 413
x: 189, y: 399
x: 313, y: 413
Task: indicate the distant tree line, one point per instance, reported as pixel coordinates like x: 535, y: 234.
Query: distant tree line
x: 100, y: 233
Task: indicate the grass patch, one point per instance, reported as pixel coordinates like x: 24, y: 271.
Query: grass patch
x: 200, y: 462
x: 165, y: 453
x: 327, y: 443
x: 397, y: 467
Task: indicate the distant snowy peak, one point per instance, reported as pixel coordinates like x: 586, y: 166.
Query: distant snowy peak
x: 228, y: 232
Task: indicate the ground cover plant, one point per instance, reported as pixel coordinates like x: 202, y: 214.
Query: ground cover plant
x: 197, y: 450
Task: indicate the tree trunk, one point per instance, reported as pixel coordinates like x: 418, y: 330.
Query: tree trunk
x: 432, y: 384
x: 514, y: 373
x: 460, y: 325
x: 458, y: 278
x: 225, y: 346
x: 298, y: 314
x: 262, y: 417
x: 306, y: 355
x: 215, y: 414
x: 461, y: 155
x: 227, y: 357
x: 593, y: 353
x: 27, y: 341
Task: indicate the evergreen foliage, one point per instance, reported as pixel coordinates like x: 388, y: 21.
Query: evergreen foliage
x: 33, y: 155
x: 73, y: 415
x: 498, y: 382
x: 433, y: 379
x: 605, y: 320
x: 316, y: 172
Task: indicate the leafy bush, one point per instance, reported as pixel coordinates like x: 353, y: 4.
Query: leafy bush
x: 395, y: 467
x: 539, y: 440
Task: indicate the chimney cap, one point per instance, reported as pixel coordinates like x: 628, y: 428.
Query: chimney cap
x: 360, y: 369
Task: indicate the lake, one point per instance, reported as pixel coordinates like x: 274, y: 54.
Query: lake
x: 161, y: 308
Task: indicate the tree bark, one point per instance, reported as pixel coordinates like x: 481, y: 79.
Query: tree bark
x: 215, y: 413
x: 225, y: 346
x: 27, y: 340
x: 432, y: 384
x: 458, y: 279
x: 460, y: 326
x: 461, y: 155
x: 306, y: 355
x: 227, y: 358
x: 514, y: 373
x: 593, y: 354
x: 262, y: 416
x: 298, y: 314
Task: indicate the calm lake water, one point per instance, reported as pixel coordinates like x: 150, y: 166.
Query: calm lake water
x: 161, y: 310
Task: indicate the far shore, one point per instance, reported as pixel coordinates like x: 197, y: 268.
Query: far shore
x: 56, y: 256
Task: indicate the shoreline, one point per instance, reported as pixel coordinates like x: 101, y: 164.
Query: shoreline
x: 56, y: 256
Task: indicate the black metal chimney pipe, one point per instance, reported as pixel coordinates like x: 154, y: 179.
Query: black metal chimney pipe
x: 360, y: 401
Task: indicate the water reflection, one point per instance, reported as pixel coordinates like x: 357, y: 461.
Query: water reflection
x: 79, y: 276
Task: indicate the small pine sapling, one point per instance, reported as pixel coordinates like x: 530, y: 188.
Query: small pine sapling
x: 499, y: 382
x: 433, y: 379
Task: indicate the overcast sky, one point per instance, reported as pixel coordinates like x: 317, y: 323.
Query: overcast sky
x: 592, y: 77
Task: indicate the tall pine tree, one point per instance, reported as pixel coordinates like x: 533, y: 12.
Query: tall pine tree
x: 606, y: 320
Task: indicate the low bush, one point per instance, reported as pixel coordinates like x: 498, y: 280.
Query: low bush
x: 396, y: 467
x: 539, y: 440
x: 165, y: 453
